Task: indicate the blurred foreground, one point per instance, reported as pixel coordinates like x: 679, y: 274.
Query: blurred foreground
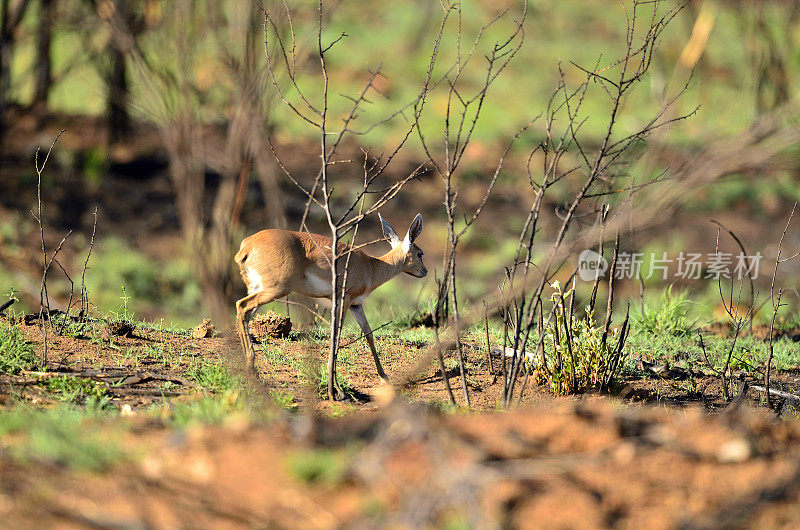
x: 584, y: 464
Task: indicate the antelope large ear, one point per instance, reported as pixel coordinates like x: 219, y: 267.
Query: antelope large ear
x: 413, y: 232
x: 389, y: 232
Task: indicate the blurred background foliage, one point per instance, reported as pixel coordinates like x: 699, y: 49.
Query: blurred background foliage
x: 115, y: 72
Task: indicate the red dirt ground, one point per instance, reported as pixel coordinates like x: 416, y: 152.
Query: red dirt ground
x: 554, y: 463
x: 585, y: 464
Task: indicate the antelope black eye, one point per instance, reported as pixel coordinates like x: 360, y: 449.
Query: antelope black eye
x: 419, y: 254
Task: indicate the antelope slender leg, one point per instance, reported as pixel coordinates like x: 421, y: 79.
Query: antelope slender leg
x: 335, y: 392
x: 245, y: 308
x: 361, y: 318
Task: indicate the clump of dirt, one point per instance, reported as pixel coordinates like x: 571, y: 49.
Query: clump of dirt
x: 117, y: 328
x: 270, y: 324
x: 204, y: 330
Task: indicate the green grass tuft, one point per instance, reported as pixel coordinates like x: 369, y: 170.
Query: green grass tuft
x: 16, y: 354
x: 666, y: 316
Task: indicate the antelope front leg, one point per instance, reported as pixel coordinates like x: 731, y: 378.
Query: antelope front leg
x: 358, y: 314
x: 335, y: 392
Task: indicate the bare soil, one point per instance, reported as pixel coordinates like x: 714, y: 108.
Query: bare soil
x: 589, y: 462
x: 585, y: 464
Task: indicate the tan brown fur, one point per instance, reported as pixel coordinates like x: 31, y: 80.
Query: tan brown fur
x: 275, y: 263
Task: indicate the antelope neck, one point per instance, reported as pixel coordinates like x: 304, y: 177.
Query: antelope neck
x: 387, y: 266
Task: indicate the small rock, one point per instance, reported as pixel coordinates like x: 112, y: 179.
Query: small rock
x: 270, y: 324
x: 203, y: 330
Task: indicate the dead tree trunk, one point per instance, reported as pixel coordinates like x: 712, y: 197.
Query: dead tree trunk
x: 10, y: 17
x: 44, y: 61
x: 119, y: 123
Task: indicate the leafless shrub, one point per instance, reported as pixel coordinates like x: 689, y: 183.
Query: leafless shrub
x: 44, y: 298
x: 343, y: 216
x: 740, y: 313
x: 604, y: 192
x: 464, y: 106
x: 775, y: 299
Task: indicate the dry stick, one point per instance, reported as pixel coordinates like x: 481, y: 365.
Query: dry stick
x: 488, y: 345
x: 596, y: 284
x: 60, y: 327
x: 568, y: 338
x: 736, y: 320
x: 614, y: 364
x: 44, y: 300
x: 705, y: 355
x: 84, y: 310
x: 540, y: 353
x: 439, y: 355
x: 749, y: 275
x: 6, y: 305
x: 503, y: 357
x: 775, y: 306
x: 610, y: 304
x: 775, y: 392
x: 517, y: 359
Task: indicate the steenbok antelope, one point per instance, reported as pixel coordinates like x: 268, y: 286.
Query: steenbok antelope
x: 275, y: 263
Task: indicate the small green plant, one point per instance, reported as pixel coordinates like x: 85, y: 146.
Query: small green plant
x: 213, y: 376
x: 413, y: 319
x: 208, y: 410
x: 15, y: 352
x: 124, y: 314
x: 315, y: 374
x: 77, y: 390
x: 576, y: 355
x: 11, y: 296
x: 69, y: 327
x: 666, y: 316
x: 284, y: 400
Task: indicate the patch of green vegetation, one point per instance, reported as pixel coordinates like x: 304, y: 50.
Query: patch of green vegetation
x: 581, y: 360
x: 77, y: 390
x: 213, y: 376
x: 208, y: 410
x: 69, y: 327
x: 749, y: 353
x: 410, y: 318
x: 315, y: 374
x: 15, y: 352
x: 319, y: 466
x: 62, y: 436
x: 668, y: 315
x: 284, y: 400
